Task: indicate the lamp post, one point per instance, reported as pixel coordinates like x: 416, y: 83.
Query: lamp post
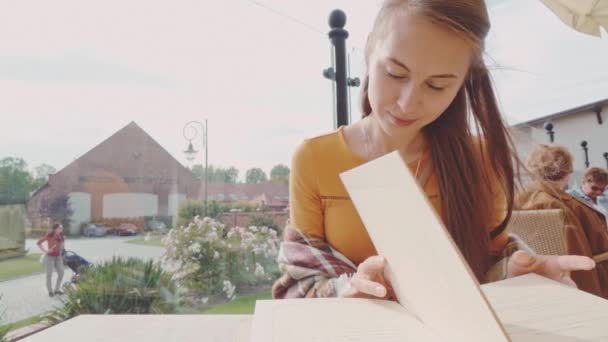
x: 338, y: 72
x: 585, y: 147
x: 190, y: 153
x: 606, y: 157
x: 550, y: 132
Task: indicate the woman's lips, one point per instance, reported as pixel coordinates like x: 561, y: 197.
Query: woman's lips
x: 400, y: 122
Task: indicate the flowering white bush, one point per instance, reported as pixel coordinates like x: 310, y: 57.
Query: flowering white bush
x: 214, y: 259
x: 229, y: 289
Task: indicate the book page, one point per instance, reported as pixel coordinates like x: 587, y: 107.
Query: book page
x: 430, y: 277
x: 533, y: 308
x: 335, y: 320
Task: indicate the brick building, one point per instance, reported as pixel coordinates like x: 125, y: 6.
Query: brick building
x: 130, y: 175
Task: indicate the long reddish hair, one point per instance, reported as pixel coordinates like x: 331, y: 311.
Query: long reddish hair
x: 469, y: 181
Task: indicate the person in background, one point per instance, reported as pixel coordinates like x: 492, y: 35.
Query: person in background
x: 53, y: 258
x: 594, y: 184
x: 550, y: 167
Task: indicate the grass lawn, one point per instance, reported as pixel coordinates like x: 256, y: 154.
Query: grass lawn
x: 240, y: 306
x: 152, y: 241
x: 20, y: 324
x: 13, y: 268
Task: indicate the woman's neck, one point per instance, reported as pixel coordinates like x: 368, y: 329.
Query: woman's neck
x: 380, y: 143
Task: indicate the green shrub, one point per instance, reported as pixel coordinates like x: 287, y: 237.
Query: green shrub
x: 120, y: 286
x: 188, y: 210
x: 263, y: 220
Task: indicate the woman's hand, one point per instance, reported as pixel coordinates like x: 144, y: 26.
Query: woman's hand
x: 556, y: 267
x: 371, y: 280
x: 39, y: 243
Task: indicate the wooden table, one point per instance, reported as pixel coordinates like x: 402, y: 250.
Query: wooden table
x: 531, y: 308
x: 148, y: 328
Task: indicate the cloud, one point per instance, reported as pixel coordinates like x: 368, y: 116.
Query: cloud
x: 80, y: 67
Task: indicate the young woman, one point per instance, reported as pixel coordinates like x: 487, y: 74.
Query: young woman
x: 428, y: 95
x: 53, y: 259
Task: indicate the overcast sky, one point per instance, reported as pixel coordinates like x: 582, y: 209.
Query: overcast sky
x: 74, y: 72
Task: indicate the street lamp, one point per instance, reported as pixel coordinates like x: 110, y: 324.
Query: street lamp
x: 190, y: 153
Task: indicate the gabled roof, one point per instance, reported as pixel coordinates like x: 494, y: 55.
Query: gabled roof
x: 592, y: 106
x: 129, y: 152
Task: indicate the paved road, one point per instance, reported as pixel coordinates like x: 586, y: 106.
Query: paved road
x: 27, y: 296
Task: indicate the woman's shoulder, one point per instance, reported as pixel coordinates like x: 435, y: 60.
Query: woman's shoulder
x: 322, y: 148
x: 322, y: 141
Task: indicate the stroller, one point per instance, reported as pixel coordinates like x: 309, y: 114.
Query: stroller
x: 76, y: 263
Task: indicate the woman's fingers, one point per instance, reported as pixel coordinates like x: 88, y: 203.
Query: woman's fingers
x: 371, y: 267
x: 368, y: 287
x: 554, y: 267
x: 369, y: 281
x: 569, y: 263
x: 522, y: 263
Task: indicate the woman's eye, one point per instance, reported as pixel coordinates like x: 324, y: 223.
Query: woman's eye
x: 433, y: 87
x: 395, y: 75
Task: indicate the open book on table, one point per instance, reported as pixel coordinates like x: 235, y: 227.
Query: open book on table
x: 439, y: 297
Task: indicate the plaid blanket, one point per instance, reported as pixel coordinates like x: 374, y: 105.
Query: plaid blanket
x: 312, y: 268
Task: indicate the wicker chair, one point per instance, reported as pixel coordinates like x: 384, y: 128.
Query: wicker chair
x: 544, y: 231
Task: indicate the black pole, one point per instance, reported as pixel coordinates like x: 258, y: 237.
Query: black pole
x: 606, y: 157
x: 549, y: 129
x: 586, y: 149
x: 205, y: 137
x: 338, y: 35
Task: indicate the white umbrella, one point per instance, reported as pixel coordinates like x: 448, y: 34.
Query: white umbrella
x: 586, y: 16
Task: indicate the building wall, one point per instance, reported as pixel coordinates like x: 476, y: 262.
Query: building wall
x: 241, y: 219
x: 570, y: 131
x: 175, y: 200
x: 125, y: 205
x: 80, y: 202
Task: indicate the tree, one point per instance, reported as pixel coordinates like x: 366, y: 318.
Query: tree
x: 188, y: 210
x: 15, y: 181
x: 215, y: 209
x: 230, y: 175
x: 279, y: 174
x: 57, y: 208
x: 255, y: 176
x: 41, y: 175
x: 216, y: 174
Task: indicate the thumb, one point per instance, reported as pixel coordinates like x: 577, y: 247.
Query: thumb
x: 522, y: 262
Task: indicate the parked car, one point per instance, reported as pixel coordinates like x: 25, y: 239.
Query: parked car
x: 158, y: 226
x: 124, y: 229
x: 97, y: 230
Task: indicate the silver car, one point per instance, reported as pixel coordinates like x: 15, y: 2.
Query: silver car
x: 158, y: 226
x: 97, y: 230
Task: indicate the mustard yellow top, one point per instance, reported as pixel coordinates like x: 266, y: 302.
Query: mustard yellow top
x: 320, y: 205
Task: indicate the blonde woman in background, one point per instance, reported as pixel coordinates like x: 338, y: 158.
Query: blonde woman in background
x: 551, y: 169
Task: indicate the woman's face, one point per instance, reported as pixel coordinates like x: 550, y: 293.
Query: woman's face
x: 415, y: 72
